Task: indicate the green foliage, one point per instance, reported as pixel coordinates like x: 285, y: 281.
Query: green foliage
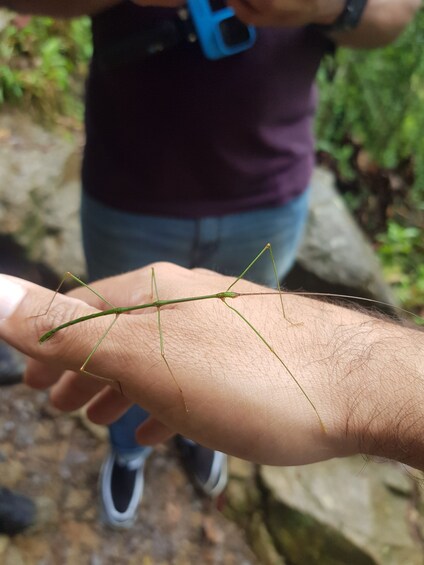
x: 42, y: 65
x: 401, y: 251
x: 376, y: 98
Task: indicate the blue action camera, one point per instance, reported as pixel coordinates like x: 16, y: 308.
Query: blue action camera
x: 219, y: 31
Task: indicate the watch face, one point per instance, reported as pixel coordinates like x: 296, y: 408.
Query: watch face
x: 234, y: 32
x: 352, y: 14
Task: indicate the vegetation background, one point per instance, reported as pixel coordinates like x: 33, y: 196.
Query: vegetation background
x: 369, y: 125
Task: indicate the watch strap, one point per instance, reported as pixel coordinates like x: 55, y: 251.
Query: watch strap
x: 348, y: 19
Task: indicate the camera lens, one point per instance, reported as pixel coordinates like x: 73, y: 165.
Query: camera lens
x: 234, y: 31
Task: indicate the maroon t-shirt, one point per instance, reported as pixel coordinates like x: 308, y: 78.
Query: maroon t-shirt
x: 176, y: 134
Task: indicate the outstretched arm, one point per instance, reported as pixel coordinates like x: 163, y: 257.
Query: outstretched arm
x: 74, y: 8
x: 381, y: 23
x: 365, y: 375
x: 58, y: 8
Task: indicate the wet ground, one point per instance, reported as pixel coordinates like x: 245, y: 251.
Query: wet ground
x: 55, y: 459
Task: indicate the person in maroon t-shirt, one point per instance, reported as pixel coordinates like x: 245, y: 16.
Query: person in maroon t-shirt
x: 201, y: 162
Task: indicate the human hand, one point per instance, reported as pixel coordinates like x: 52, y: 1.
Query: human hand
x: 235, y: 391
x: 240, y: 398
x: 287, y: 13
x: 291, y: 13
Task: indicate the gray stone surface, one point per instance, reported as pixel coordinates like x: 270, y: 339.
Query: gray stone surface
x: 343, y: 511
x: 39, y: 192
x: 5, y: 18
x: 335, y: 256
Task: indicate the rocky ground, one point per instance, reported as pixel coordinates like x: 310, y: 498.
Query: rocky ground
x: 55, y: 459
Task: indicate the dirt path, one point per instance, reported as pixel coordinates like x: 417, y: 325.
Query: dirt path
x: 55, y: 458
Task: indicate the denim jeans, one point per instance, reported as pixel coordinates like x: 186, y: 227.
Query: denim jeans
x: 116, y: 242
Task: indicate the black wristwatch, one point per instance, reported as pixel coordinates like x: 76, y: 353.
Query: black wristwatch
x: 348, y: 19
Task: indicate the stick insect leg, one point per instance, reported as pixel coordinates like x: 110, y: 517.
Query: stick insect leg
x: 116, y: 385
x: 268, y: 247
x: 261, y: 337
x: 272, y: 350
x: 69, y: 275
x: 162, y: 348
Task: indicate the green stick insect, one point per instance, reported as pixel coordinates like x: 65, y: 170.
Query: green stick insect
x: 223, y: 296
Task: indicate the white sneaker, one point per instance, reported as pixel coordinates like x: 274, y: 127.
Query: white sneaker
x: 208, y: 468
x: 121, y: 485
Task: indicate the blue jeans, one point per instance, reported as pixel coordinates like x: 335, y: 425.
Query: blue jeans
x: 117, y: 242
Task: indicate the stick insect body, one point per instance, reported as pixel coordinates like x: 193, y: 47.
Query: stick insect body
x: 117, y: 310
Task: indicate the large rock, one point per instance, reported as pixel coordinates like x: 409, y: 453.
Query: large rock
x: 335, y: 256
x: 39, y: 193
x: 343, y: 512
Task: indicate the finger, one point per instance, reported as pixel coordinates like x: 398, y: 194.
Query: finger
x: 262, y: 13
x: 258, y: 6
x: 160, y: 3
x: 107, y: 407
x: 39, y: 375
x: 130, y: 353
x: 152, y: 432
x: 243, y: 11
x: 73, y: 390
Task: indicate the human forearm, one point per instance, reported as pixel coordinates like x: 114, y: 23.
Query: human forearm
x: 376, y: 372
x: 58, y: 8
x: 386, y: 411
x: 365, y: 375
x: 382, y: 23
